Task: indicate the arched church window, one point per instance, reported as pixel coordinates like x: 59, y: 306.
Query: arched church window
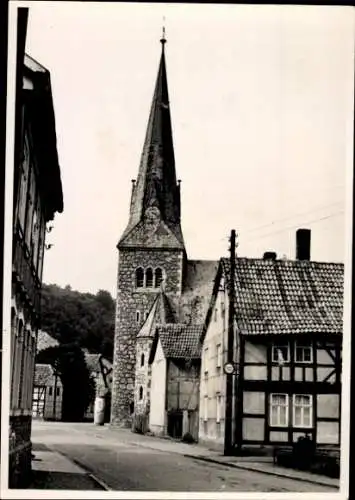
x: 139, y: 277
x: 142, y: 359
x: 158, y: 277
x: 138, y: 316
x: 141, y: 393
x: 149, y: 277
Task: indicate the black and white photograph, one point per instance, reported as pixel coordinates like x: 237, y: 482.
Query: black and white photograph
x: 177, y: 250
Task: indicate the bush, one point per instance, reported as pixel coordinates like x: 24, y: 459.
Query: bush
x: 187, y: 438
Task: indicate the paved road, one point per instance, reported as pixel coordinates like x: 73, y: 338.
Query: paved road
x: 127, y: 461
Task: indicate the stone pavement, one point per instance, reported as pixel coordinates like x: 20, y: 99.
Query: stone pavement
x: 199, y: 452
x: 52, y: 470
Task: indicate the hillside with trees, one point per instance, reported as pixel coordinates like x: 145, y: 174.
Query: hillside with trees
x: 81, y: 318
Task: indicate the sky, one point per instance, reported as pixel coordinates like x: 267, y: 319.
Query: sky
x: 262, y: 112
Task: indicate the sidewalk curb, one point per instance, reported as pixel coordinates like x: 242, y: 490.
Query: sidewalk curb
x: 242, y: 466
x: 255, y: 469
x: 89, y: 473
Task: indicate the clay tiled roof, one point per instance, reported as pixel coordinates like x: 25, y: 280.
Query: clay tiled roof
x: 44, y: 375
x: 92, y: 362
x: 288, y: 297
x: 44, y: 340
x: 180, y: 341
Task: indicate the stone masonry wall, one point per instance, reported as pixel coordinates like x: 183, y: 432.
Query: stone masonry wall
x: 129, y: 301
x: 141, y: 405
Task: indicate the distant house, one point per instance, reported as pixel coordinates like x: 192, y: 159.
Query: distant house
x: 287, y: 331
x: 45, y: 340
x: 175, y: 378
x: 100, y: 369
x: 47, y: 394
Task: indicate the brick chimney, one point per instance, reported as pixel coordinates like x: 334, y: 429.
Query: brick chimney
x: 303, y: 244
x: 270, y: 256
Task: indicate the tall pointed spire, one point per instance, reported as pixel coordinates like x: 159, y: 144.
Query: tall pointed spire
x: 156, y: 193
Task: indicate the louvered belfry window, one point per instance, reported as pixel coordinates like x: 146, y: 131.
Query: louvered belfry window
x: 158, y: 277
x: 139, y: 277
x: 149, y: 277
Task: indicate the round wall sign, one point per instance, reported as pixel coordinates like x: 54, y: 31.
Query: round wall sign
x: 229, y: 368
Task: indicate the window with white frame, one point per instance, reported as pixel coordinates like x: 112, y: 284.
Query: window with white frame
x: 218, y: 355
x: 279, y: 410
x: 303, y: 352
x: 302, y: 410
x: 218, y: 408
x: 280, y: 352
x: 205, y: 408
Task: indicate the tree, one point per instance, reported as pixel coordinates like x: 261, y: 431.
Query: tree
x: 87, y: 319
x: 68, y: 361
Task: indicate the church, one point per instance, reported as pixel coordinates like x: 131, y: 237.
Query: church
x: 156, y: 283
x: 278, y: 324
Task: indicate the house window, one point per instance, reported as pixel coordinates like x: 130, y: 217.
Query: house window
x: 138, y: 316
x: 205, y: 408
x: 142, y: 359
x: 279, y: 410
x: 205, y: 362
x: 58, y: 391
x: 218, y: 409
x: 146, y: 314
x: 215, y: 314
x: 140, y: 393
x: 302, y: 410
x: 149, y: 277
x: 50, y: 391
x: 139, y: 277
x: 158, y: 277
x: 303, y: 352
x: 219, y: 355
x: 281, y: 352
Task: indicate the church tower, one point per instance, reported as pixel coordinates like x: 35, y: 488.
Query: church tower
x: 151, y: 251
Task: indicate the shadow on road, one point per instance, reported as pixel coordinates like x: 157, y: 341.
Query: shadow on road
x: 43, y: 480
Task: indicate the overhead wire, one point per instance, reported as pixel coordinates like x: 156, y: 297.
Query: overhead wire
x: 313, y: 221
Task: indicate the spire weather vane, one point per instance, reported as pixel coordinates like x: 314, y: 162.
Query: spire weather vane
x: 163, y: 39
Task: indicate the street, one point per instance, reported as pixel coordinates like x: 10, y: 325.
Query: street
x: 122, y: 460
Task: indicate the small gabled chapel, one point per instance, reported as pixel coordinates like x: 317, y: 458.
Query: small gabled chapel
x: 157, y: 283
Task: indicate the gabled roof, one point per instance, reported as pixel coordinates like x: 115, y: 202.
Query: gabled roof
x: 44, y: 375
x: 156, y: 186
x: 40, y: 113
x: 44, y: 340
x: 94, y: 360
x: 287, y: 297
x: 160, y: 313
x: 178, y: 341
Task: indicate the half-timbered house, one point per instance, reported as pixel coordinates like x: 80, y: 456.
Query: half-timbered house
x: 37, y: 197
x: 287, y: 336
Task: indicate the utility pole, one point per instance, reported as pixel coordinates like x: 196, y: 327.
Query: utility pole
x: 230, y: 351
